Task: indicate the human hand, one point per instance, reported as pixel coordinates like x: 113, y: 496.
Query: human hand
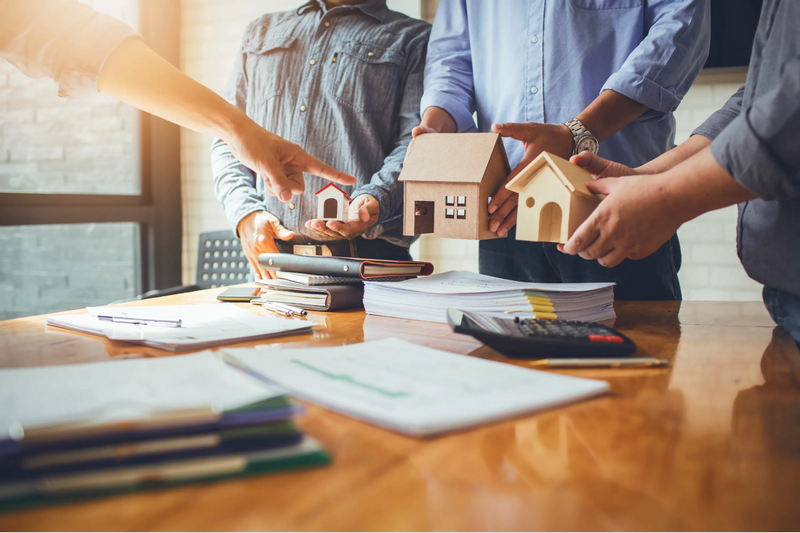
x: 279, y: 162
x: 257, y: 232
x: 601, y: 168
x: 363, y: 214
x: 536, y: 138
x: 633, y: 221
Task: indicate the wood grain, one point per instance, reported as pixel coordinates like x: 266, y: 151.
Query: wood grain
x: 711, y: 443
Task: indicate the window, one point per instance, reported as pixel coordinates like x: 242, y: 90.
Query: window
x: 461, y: 213
x: 449, y: 200
x: 449, y: 213
x: 89, y: 189
x: 462, y: 200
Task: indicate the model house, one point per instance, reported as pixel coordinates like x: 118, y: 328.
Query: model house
x: 553, y: 199
x: 333, y: 203
x: 448, y: 180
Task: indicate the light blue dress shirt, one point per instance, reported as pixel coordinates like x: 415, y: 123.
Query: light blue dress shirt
x: 546, y: 60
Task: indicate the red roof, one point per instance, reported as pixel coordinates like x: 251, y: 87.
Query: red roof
x: 337, y: 188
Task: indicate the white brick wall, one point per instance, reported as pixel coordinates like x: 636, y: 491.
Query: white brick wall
x: 211, y: 35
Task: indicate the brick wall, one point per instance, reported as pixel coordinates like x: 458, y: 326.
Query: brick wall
x: 54, y: 145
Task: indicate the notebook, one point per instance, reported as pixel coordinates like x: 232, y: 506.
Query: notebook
x: 313, y: 298
x: 313, y: 279
x: 344, y: 266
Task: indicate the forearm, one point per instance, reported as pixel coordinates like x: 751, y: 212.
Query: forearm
x: 136, y: 75
x: 609, y: 113
x: 698, y: 185
x: 676, y: 156
x: 234, y: 184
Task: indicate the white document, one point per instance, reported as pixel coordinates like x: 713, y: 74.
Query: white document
x: 202, y: 325
x: 124, y: 390
x: 412, y: 389
x: 465, y: 282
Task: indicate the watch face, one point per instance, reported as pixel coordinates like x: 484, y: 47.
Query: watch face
x: 587, y: 144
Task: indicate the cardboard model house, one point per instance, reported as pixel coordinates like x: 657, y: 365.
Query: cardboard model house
x: 448, y: 179
x: 333, y: 203
x: 553, y: 199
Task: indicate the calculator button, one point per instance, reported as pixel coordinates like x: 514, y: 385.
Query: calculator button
x: 605, y: 338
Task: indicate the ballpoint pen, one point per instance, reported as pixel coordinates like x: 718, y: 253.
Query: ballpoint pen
x: 620, y: 362
x: 294, y: 310
x: 272, y: 307
x: 141, y: 321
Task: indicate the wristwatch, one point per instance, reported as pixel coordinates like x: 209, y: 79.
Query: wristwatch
x: 583, y: 141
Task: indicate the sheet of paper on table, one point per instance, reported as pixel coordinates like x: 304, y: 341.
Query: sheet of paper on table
x: 412, y: 389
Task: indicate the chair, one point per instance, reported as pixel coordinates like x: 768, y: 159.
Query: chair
x: 220, y: 262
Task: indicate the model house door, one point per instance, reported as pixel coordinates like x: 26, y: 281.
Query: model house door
x: 330, y: 208
x: 423, y: 217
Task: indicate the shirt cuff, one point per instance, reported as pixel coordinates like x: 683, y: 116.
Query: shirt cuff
x: 645, y: 91
x: 714, y: 124
x: 80, y: 72
x: 744, y: 156
x: 382, y: 196
x: 449, y: 103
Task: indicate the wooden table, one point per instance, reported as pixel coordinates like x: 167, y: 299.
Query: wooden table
x: 711, y: 443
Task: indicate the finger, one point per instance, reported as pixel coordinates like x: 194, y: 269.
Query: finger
x: 585, y: 235
x: 421, y: 130
x: 296, y: 183
x: 318, y: 168
x: 508, y: 223
x: 612, y: 258
x: 349, y: 230
x: 281, y: 232
x: 516, y: 130
x: 604, y: 186
x: 258, y: 272
x: 320, y: 227
x: 277, y: 181
x: 500, y: 215
x: 499, y: 199
x: 599, y: 167
x: 598, y: 248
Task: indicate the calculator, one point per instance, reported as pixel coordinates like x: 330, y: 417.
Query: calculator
x: 541, y: 338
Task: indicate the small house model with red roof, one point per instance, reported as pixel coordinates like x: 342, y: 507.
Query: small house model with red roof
x: 332, y: 203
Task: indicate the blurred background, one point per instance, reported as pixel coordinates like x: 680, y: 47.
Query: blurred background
x: 99, y: 202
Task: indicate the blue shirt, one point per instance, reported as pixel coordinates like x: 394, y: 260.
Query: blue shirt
x: 344, y: 84
x: 545, y: 61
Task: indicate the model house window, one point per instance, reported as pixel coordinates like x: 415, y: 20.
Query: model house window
x: 449, y: 213
x: 462, y: 200
x: 461, y: 213
x: 449, y: 200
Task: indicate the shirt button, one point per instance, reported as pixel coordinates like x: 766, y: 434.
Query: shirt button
x: 303, y: 109
x: 312, y: 62
x: 291, y: 206
x: 327, y: 24
x: 370, y: 54
x: 534, y: 90
x: 534, y: 39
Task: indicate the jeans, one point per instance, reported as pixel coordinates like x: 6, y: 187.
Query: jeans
x: 653, y: 278
x: 784, y: 308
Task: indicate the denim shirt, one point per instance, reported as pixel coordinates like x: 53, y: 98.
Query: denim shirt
x: 342, y: 83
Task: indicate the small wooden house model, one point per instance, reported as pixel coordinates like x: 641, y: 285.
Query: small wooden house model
x: 553, y: 199
x: 332, y: 203
x: 448, y: 179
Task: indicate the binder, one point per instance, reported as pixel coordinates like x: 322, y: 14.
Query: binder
x: 337, y: 297
x: 345, y: 267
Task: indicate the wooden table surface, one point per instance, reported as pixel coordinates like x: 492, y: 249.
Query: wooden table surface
x: 711, y: 443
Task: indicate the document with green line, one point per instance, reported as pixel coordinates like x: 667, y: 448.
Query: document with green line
x: 413, y: 389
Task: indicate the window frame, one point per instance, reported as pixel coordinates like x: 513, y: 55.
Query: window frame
x: 157, y: 208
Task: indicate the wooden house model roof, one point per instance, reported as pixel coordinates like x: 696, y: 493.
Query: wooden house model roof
x: 451, y: 157
x: 572, y: 176
x: 335, y: 187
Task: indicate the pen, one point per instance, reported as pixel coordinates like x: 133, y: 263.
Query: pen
x: 294, y: 310
x: 141, y: 321
x: 627, y: 362
x: 274, y: 308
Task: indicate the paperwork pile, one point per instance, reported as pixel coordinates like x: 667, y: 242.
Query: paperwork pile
x: 428, y: 298
x: 80, y: 431
x: 412, y: 389
x: 202, y: 326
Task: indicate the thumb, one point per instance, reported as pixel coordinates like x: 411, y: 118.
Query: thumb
x: 516, y: 130
x: 604, y: 186
x: 281, y: 232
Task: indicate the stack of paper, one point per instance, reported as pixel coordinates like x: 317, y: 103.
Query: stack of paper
x: 201, y: 326
x: 87, y: 430
x: 411, y: 389
x: 428, y: 298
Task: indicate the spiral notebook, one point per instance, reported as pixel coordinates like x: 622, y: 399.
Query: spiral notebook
x: 314, y: 279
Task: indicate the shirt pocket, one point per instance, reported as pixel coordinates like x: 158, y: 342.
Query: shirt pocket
x: 606, y: 4
x: 366, y: 75
x: 267, y: 62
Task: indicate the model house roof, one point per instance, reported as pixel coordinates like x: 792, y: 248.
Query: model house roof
x: 452, y: 157
x: 335, y: 187
x: 572, y: 176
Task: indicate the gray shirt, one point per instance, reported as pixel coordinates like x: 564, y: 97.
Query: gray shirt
x: 756, y: 139
x: 59, y: 39
x: 344, y: 84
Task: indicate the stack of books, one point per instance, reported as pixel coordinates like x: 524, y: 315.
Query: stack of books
x: 82, y: 431
x: 428, y: 298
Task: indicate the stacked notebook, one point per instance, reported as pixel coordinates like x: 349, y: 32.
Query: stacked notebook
x: 80, y: 431
x: 201, y: 326
x: 315, y: 296
x: 428, y: 298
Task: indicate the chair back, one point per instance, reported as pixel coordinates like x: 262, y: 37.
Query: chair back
x: 220, y: 260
